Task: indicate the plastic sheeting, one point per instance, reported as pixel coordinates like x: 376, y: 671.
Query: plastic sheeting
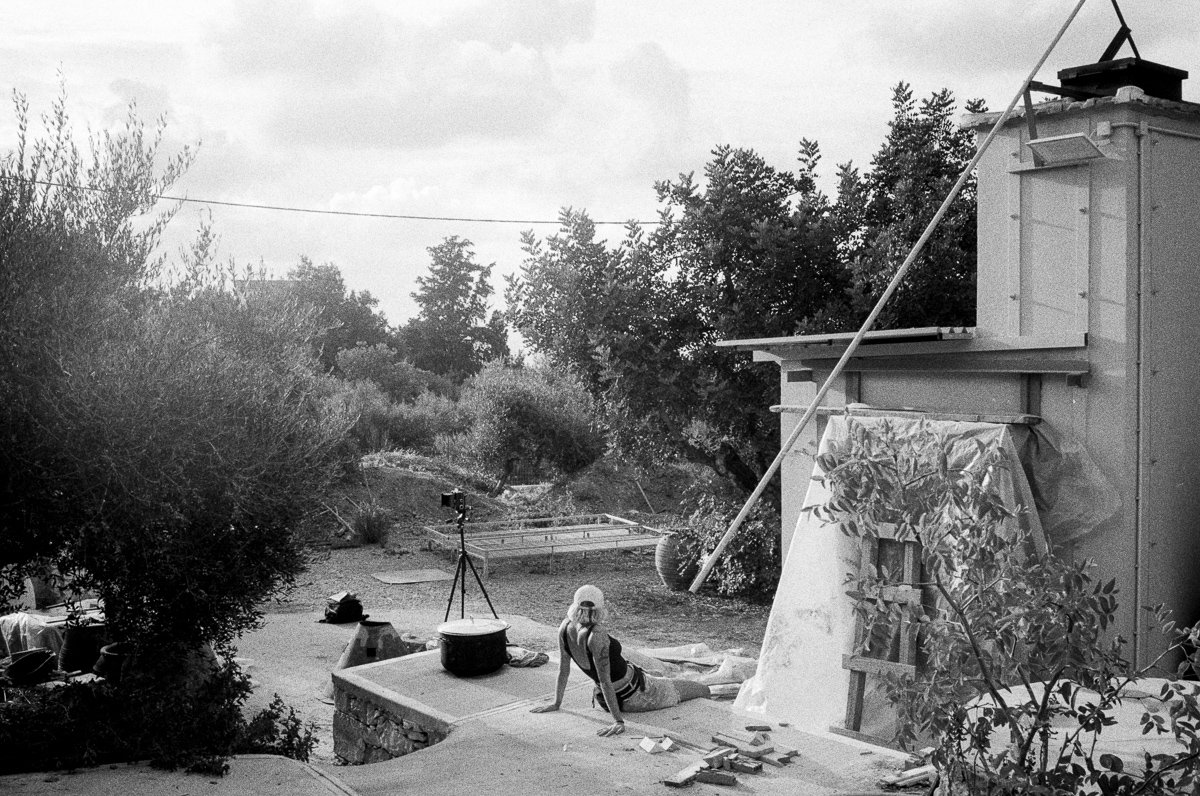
x: 23, y: 631
x: 1072, y: 495
x: 799, y: 677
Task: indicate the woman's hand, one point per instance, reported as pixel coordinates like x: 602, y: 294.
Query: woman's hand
x: 616, y: 728
x: 553, y: 706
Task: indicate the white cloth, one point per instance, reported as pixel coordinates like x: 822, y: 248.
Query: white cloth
x: 22, y: 631
x: 800, y: 676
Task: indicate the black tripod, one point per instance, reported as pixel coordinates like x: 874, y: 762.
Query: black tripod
x: 458, y: 501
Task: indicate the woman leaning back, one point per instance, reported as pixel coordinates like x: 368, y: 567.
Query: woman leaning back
x: 621, y: 686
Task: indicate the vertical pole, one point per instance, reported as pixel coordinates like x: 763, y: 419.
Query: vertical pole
x: 711, y: 559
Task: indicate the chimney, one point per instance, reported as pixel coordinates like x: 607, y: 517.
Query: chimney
x: 1103, y: 78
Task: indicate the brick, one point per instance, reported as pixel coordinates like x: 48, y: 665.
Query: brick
x: 714, y: 777
x: 746, y: 750
x: 718, y: 755
x: 684, y: 777
x: 743, y: 766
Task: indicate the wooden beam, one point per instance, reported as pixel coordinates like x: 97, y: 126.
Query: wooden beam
x: 859, y: 663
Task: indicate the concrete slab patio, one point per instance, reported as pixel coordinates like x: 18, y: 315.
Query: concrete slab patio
x: 493, y: 741
x: 494, y: 744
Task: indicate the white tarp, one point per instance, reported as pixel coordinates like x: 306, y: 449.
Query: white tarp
x: 800, y: 678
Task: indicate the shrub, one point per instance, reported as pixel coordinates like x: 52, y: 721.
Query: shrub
x: 163, y: 437
x: 155, y: 718
x: 370, y: 523
x: 751, y: 564
x: 534, y: 415
x: 418, y: 424
x: 399, y: 380
x: 381, y: 425
x: 1019, y: 674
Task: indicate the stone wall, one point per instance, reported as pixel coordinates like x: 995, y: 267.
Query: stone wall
x: 366, y: 732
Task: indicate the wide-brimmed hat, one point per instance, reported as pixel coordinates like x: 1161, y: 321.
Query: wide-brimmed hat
x: 589, y: 597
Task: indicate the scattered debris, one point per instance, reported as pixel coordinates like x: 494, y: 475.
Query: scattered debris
x: 744, y: 766
x: 717, y: 757
x: 714, y: 777
x: 744, y: 749
x: 756, y: 738
x: 914, y: 776
x: 686, y: 776
x: 758, y: 728
x: 653, y: 745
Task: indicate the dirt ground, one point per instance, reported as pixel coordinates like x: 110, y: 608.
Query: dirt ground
x: 645, y: 611
x: 293, y: 654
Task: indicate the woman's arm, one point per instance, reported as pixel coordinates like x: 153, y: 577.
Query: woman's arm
x: 564, y: 671
x: 598, y: 644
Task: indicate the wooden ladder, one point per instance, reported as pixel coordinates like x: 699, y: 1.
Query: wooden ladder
x: 880, y: 557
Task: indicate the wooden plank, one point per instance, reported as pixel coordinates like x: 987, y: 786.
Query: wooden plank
x: 862, y: 736
x: 854, y: 699
x: 565, y: 540
x: 535, y: 523
x: 859, y: 663
x: 745, y: 750
x: 685, y: 776
x: 550, y: 548
x: 906, y: 595
x: 562, y: 538
x: 714, y: 777
x: 909, y: 412
x: 908, y: 623
x: 475, y: 533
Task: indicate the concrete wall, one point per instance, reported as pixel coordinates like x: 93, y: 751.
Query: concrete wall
x: 1169, y: 555
x: 1110, y: 248
x: 366, y: 731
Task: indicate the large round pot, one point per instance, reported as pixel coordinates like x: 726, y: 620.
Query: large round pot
x: 81, y: 647
x: 472, y: 647
x: 668, y: 562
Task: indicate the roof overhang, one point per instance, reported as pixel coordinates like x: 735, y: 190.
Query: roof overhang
x: 930, y: 349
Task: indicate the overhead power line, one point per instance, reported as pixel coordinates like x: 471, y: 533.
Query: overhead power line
x: 352, y: 213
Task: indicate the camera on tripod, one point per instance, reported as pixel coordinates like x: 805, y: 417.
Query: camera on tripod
x: 456, y: 500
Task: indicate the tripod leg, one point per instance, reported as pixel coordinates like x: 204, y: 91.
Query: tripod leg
x: 474, y: 571
x: 458, y: 572
x: 462, y: 556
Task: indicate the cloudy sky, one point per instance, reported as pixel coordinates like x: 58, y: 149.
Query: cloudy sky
x: 513, y: 109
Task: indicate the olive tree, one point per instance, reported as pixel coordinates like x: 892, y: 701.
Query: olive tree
x: 161, y: 437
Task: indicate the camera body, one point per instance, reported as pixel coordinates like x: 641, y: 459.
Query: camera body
x: 456, y: 500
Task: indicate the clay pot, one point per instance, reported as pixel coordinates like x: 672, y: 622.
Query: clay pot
x: 667, y: 561
x: 81, y: 647
x: 111, y: 660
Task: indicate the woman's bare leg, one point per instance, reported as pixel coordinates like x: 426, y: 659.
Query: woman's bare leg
x: 690, y: 689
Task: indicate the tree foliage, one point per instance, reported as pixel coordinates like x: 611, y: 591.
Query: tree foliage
x: 1019, y: 672
x: 750, y: 251
x: 531, y: 414
x: 381, y: 365
x: 160, y: 439
x: 452, y: 333
x: 911, y: 174
x: 346, y: 319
